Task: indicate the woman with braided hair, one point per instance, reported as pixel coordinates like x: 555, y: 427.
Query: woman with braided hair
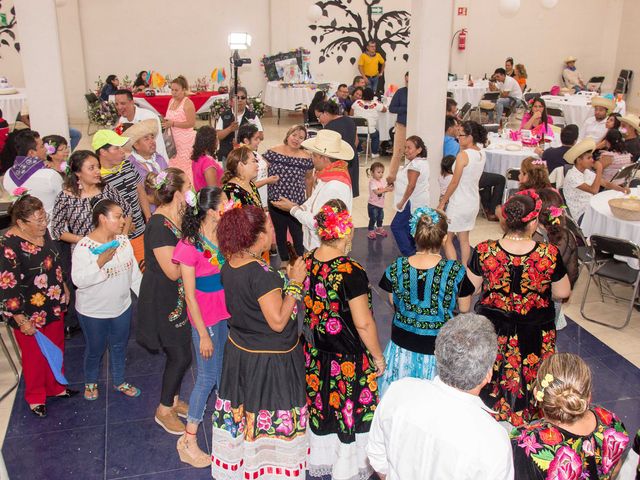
x: 518, y: 278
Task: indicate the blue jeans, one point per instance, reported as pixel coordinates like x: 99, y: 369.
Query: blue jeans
x: 401, y: 232
x: 501, y: 103
x: 375, y: 141
x: 100, y: 332
x: 376, y: 215
x: 209, y: 370
x: 373, y: 83
x: 74, y: 138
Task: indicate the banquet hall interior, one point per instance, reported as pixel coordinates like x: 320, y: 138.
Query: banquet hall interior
x: 55, y: 56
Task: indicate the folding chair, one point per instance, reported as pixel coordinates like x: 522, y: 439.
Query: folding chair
x: 529, y: 96
x: 512, y: 175
x: 363, y: 122
x: 627, y: 173
x: 487, y: 104
x: 605, y: 269
x: 624, y: 79
x: 464, y: 111
x: 12, y: 364
x: 585, y: 256
x: 595, y: 84
x: 557, y: 115
x: 635, y: 182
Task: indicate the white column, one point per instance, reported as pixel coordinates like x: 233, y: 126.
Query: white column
x: 431, y: 22
x: 42, y: 66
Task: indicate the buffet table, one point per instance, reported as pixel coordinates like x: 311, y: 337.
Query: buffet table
x: 160, y: 102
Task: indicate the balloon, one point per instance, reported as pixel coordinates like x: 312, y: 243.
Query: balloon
x: 314, y: 13
x: 509, y: 8
x: 549, y: 3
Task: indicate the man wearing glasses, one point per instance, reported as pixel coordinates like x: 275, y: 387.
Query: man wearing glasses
x: 227, y: 124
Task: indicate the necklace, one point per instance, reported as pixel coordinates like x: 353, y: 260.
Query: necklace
x: 211, y: 252
x: 516, y: 238
x: 429, y: 253
x: 260, y: 259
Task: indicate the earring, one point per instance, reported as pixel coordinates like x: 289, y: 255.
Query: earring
x: 347, y: 248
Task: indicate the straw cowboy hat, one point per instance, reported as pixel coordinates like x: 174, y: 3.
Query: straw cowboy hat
x: 329, y: 144
x: 570, y: 59
x: 607, y: 103
x: 141, y: 129
x: 578, y: 149
x: 632, y: 120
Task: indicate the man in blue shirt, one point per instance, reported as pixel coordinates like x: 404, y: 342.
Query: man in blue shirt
x: 451, y: 145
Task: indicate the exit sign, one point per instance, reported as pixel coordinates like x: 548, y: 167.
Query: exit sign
x: 376, y: 10
x: 462, y: 11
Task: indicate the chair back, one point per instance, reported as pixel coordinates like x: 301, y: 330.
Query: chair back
x: 577, y: 231
x: 464, y: 111
x: 491, y: 96
x: 557, y: 115
x: 635, y: 182
x: 595, y: 84
x: 627, y: 172
x: 606, y: 247
x: 529, y: 96
x: 91, y: 98
x: 512, y: 174
x: 361, y: 122
x: 449, y: 94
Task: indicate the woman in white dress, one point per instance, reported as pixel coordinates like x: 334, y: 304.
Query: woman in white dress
x: 411, y: 191
x: 463, y: 193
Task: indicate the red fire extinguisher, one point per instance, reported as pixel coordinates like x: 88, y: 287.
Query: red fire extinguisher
x: 462, y: 39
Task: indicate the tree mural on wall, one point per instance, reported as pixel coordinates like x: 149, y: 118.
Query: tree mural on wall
x: 7, y: 32
x: 343, y: 27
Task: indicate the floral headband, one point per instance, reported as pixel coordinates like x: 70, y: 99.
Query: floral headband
x: 191, y: 198
x: 18, y: 193
x: 418, y: 214
x: 337, y: 224
x: 160, y: 180
x: 539, y: 161
x: 531, y: 193
x: 546, y: 381
x: 555, y: 213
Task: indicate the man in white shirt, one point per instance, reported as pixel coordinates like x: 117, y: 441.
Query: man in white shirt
x: 581, y: 182
x: 328, y: 152
x: 595, y: 127
x: 440, y: 429
x: 130, y: 113
x: 29, y: 171
x: 509, y: 88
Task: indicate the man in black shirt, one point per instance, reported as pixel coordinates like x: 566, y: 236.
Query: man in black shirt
x: 553, y: 156
x: 227, y: 125
x: 630, y: 129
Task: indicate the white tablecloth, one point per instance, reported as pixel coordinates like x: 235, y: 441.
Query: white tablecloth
x: 499, y: 159
x: 463, y: 93
x: 287, y: 98
x: 599, y: 220
x: 576, y: 108
x: 386, y: 121
x: 205, y: 108
x: 11, y: 105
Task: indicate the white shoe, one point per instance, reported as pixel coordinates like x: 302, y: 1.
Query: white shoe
x: 375, y: 155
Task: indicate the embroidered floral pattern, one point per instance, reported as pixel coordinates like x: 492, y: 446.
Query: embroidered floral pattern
x: 558, y: 454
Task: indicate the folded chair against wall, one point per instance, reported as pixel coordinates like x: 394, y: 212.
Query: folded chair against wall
x: 606, y: 270
x: 595, y: 84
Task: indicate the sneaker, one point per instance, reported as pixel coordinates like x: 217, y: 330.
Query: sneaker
x: 371, y: 235
x: 181, y: 408
x: 170, y: 422
x: 375, y: 155
x: 381, y: 231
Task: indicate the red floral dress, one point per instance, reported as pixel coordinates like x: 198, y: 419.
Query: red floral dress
x: 31, y: 280
x: 516, y: 297
x: 543, y: 451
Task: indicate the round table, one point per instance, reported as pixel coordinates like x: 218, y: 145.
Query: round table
x: 575, y: 108
x: 289, y: 97
x: 598, y: 220
x: 463, y: 93
x: 11, y: 105
x: 499, y: 159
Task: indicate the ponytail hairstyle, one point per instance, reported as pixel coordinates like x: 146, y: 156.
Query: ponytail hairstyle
x: 165, y: 184
x: 208, y: 198
x: 100, y: 206
x: 552, y: 216
x: 373, y: 167
x: 476, y: 131
x: 242, y: 154
x: 429, y: 228
x: 418, y: 143
x: 563, y: 387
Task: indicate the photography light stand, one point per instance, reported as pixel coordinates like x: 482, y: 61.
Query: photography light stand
x: 237, y: 41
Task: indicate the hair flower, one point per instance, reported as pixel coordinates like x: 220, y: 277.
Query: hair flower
x: 418, y: 214
x: 555, y: 213
x: 230, y: 205
x: 337, y: 224
x: 160, y: 180
x: 191, y: 198
x: 64, y: 167
x: 539, y: 161
x: 19, y: 192
x: 50, y: 148
x: 546, y: 381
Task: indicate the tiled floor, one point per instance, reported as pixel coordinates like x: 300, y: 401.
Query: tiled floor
x: 116, y: 437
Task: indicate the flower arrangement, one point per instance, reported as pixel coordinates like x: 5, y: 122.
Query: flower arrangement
x: 256, y: 106
x: 218, y: 107
x: 103, y: 114
x: 99, y: 84
x: 202, y: 84
x: 126, y: 82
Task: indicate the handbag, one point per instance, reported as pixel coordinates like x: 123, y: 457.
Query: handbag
x: 169, y: 143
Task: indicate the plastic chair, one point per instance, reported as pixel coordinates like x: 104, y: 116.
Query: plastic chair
x: 557, y: 115
x: 363, y: 122
x: 606, y: 269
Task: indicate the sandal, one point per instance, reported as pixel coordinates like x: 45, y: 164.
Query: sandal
x: 128, y: 389
x: 91, y: 391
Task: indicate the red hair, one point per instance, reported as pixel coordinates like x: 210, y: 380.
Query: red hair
x: 239, y: 228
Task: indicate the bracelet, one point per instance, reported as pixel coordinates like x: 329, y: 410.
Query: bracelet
x: 294, y: 289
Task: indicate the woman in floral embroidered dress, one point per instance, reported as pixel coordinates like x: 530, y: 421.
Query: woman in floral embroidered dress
x: 575, y: 440
x: 519, y: 278
x: 162, y: 314
x: 343, y: 355
x: 260, y: 416
x: 33, y: 296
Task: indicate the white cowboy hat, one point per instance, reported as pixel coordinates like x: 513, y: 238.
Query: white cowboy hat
x: 607, y: 103
x: 578, y: 149
x: 632, y: 120
x: 570, y: 59
x: 329, y: 144
x: 141, y: 129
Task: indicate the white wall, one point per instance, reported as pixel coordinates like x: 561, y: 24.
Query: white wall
x: 10, y: 64
x: 541, y: 38
x: 629, y: 50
